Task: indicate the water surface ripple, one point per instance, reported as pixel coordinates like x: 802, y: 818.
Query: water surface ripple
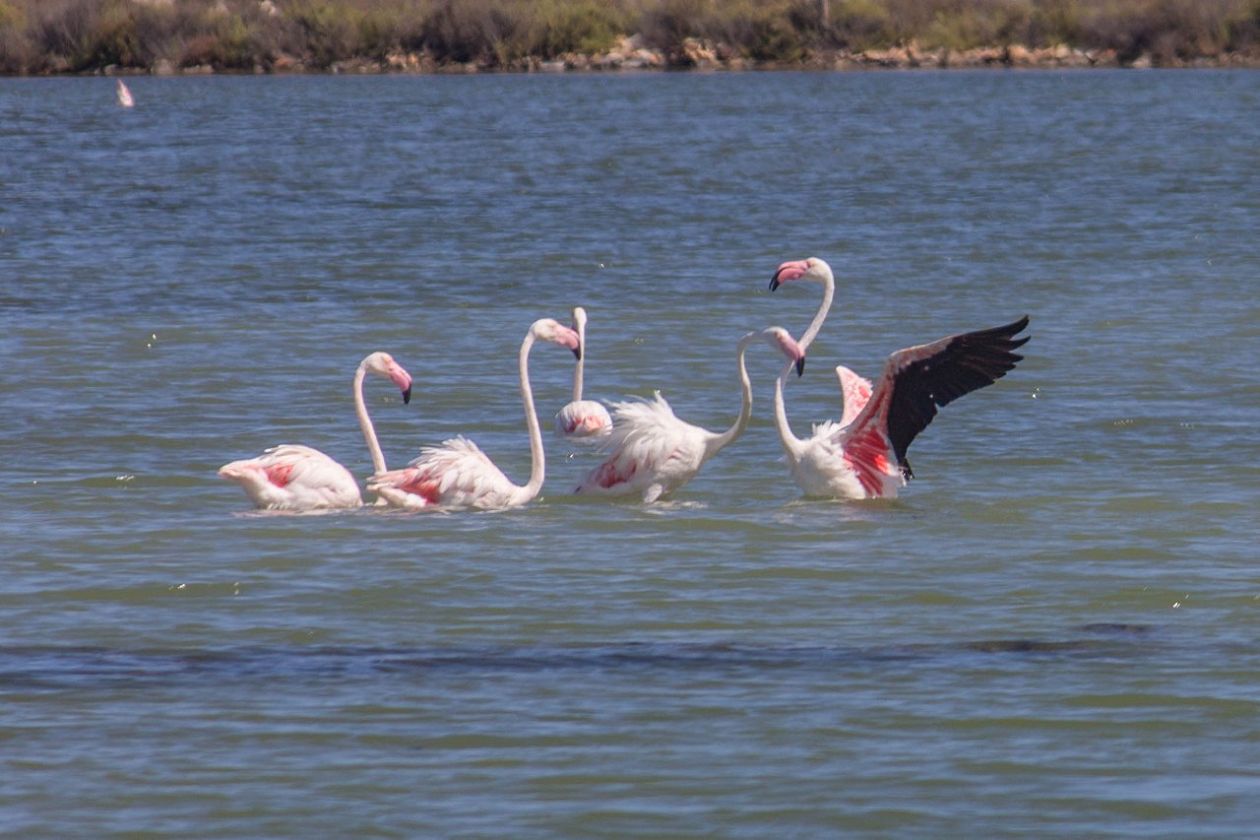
x: 1052, y: 633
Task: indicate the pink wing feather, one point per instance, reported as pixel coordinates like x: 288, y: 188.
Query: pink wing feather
x: 294, y: 477
x: 455, y: 474
x: 856, y: 391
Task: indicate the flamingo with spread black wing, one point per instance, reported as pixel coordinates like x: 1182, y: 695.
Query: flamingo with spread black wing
x: 864, y: 455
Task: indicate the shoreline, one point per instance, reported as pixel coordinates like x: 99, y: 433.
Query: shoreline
x: 697, y: 55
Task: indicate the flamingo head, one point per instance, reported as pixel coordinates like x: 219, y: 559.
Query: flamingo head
x: 551, y: 330
x: 812, y: 269
x: 788, y: 346
x: 383, y: 364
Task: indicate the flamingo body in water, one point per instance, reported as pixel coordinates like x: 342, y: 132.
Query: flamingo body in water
x: 583, y: 421
x: 294, y: 477
x: 653, y: 453
x: 125, y: 99
x: 458, y: 474
x: 864, y: 455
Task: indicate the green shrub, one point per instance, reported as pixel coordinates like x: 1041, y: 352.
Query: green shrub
x: 330, y: 30
x: 15, y: 46
x: 864, y: 24
x: 380, y: 31
x: 774, y: 31
x: 82, y: 35
x: 1055, y: 22
x: 583, y: 26
x: 1243, y: 28
x: 63, y: 31
x: 474, y: 30
x: 980, y: 23
x: 666, y: 24
x: 225, y: 41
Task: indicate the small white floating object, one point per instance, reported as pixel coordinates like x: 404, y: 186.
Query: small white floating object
x: 125, y: 99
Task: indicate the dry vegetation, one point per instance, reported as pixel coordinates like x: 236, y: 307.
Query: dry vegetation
x: 74, y: 36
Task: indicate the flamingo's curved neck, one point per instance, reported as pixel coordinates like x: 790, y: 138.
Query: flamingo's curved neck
x: 829, y: 292
x: 365, y: 422
x: 537, y: 469
x: 581, y: 363
x: 792, y: 445
x: 718, y: 441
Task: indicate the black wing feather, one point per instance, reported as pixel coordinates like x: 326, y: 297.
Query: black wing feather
x: 961, y: 364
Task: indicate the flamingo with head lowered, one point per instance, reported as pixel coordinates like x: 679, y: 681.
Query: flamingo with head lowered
x: 864, y: 455
x: 654, y: 453
x: 584, y: 421
x: 295, y: 477
x: 458, y: 474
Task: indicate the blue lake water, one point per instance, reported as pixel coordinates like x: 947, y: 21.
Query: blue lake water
x: 1053, y: 632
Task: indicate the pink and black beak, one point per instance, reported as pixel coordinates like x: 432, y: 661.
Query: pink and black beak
x: 790, y: 270
x: 558, y: 333
x: 402, y: 379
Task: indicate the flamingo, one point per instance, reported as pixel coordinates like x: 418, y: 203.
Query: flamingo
x: 654, y: 453
x: 582, y: 420
x: 864, y: 455
x: 815, y: 270
x: 458, y: 474
x: 855, y: 390
x: 125, y: 99
x: 295, y: 477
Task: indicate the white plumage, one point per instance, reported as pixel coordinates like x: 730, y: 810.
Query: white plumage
x: 864, y: 455
x: 457, y: 474
x: 582, y: 421
x: 295, y: 477
x: 653, y: 453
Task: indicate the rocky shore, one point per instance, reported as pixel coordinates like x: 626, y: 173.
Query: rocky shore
x: 630, y: 54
